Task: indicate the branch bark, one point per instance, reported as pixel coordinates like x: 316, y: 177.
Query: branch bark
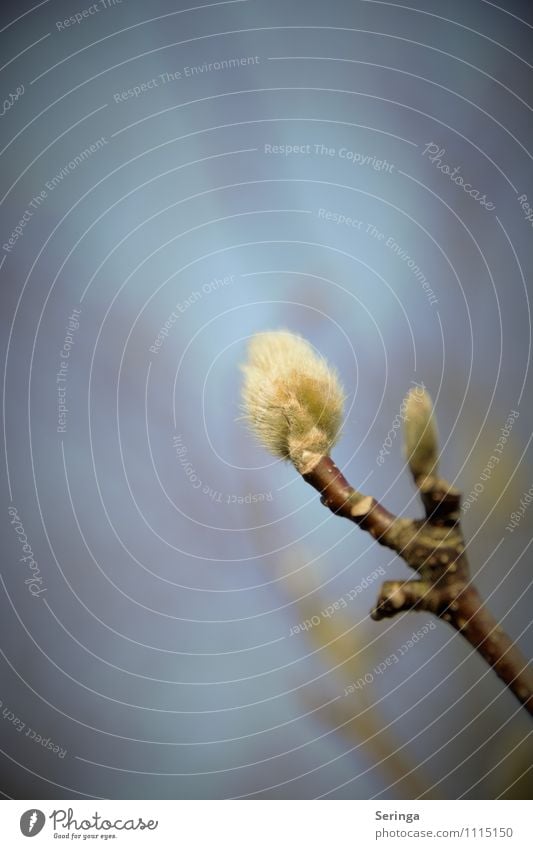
x: 434, y: 547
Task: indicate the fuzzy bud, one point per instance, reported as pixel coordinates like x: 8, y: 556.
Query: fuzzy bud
x: 292, y: 399
x: 420, y: 433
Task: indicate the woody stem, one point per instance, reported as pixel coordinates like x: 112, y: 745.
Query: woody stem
x: 434, y: 547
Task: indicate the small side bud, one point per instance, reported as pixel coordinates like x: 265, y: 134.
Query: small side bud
x: 420, y: 434
x: 292, y: 399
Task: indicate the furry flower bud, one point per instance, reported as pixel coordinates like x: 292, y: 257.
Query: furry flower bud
x: 420, y: 433
x: 292, y: 399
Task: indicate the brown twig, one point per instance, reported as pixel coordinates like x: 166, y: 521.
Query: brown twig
x: 433, y: 547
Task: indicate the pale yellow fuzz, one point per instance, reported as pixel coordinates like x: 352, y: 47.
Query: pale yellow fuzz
x: 421, y: 437
x: 293, y: 401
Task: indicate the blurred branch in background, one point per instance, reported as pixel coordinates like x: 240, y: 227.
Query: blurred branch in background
x: 355, y: 715
x: 515, y: 769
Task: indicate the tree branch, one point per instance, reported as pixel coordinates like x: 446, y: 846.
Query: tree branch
x: 433, y: 547
x: 293, y: 401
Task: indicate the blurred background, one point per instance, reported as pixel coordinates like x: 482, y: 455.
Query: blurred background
x: 181, y: 618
